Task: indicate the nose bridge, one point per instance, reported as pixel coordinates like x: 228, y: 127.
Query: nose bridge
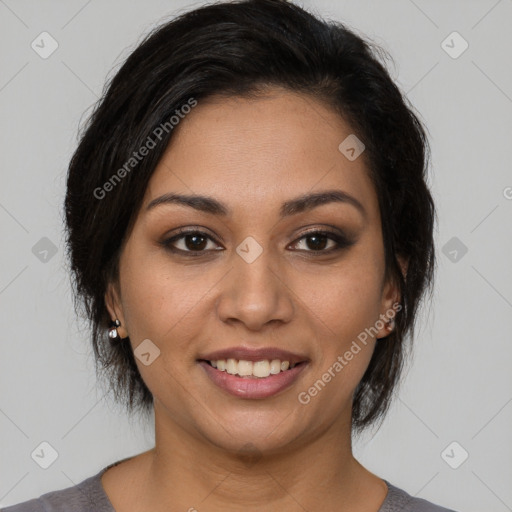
x: 254, y: 292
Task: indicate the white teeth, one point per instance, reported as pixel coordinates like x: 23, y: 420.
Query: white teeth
x: 275, y: 366
x: 261, y: 369
x: 231, y: 366
x: 245, y: 368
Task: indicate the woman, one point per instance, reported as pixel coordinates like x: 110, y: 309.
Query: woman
x: 251, y: 234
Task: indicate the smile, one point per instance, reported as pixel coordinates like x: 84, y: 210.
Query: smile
x: 251, y: 386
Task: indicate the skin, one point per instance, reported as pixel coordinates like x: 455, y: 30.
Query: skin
x: 252, y: 155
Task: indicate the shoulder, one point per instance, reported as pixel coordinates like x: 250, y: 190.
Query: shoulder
x: 398, y: 500
x: 86, y: 496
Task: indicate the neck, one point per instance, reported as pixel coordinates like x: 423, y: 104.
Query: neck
x: 185, y: 472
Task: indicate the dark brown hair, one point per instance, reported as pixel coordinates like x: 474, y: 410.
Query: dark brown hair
x: 239, y: 49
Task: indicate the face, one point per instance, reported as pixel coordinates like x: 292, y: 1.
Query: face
x: 252, y: 271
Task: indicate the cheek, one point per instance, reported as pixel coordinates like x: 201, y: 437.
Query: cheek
x: 342, y: 306
x: 353, y: 306
x: 346, y: 299
x: 343, y: 314
x: 156, y: 296
x: 161, y: 304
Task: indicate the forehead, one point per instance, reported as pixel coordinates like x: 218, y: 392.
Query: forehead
x: 260, y: 151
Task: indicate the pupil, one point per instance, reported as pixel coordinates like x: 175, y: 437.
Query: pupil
x: 317, y: 245
x: 194, y: 246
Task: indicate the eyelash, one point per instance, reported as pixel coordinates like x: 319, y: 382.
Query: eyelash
x: 341, y: 241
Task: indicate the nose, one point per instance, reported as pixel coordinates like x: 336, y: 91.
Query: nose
x: 255, y: 294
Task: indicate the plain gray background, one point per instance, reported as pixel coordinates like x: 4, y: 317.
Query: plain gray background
x: 459, y: 388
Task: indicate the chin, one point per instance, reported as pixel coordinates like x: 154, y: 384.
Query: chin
x: 256, y: 432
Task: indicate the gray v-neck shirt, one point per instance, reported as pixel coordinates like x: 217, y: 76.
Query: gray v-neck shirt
x: 89, y: 496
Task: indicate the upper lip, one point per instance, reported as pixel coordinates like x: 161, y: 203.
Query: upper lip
x: 255, y: 354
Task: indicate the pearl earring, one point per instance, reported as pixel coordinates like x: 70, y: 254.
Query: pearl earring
x: 112, y: 332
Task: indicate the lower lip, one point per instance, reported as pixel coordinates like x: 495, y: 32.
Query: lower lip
x: 247, y: 387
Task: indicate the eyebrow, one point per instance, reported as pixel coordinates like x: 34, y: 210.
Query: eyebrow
x: 294, y: 206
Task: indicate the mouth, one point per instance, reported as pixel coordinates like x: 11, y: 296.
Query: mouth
x: 254, y: 374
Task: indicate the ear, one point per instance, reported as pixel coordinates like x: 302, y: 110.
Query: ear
x: 114, y: 307
x: 390, y: 301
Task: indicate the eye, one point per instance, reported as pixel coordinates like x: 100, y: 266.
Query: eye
x: 191, y: 241
x: 318, y: 240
